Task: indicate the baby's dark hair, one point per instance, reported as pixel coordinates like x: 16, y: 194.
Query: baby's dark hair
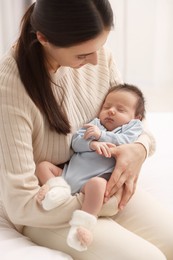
x: 140, y: 106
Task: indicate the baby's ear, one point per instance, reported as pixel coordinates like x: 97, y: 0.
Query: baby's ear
x: 139, y: 117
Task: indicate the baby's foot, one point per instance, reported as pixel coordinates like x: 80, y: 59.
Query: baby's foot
x: 80, y: 234
x: 58, y: 192
x: 85, y: 236
x: 42, y: 192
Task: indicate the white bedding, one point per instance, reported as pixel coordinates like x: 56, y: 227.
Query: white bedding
x: 156, y: 177
x: 13, y: 245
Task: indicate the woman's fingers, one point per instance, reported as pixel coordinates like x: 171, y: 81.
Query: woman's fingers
x: 128, y: 191
x: 129, y: 159
x: 115, y: 182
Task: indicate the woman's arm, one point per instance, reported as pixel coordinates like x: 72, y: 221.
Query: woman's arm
x: 25, y: 139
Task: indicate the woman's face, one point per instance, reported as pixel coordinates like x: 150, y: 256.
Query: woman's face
x: 75, y: 56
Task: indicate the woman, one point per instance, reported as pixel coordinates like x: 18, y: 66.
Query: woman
x: 52, y: 82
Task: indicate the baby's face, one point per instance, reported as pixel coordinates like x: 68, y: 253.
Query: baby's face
x: 118, y: 109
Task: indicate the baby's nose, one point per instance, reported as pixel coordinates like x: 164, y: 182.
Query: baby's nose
x: 111, y: 111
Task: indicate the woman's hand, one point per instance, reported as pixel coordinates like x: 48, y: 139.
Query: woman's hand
x: 129, y: 159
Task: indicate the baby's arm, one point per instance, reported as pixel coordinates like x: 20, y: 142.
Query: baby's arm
x: 81, y: 139
x: 102, y: 148
x: 92, y: 131
x: 128, y: 133
x: 80, y: 143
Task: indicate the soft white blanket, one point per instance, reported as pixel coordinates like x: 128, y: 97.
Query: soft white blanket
x: 156, y: 177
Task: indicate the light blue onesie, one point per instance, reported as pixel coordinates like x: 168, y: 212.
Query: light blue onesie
x: 86, y: 163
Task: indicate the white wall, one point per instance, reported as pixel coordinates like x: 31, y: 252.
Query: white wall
x: 163, y: 66
x: 116, y: 40
x: 11, y: 12
x: 142, y: 41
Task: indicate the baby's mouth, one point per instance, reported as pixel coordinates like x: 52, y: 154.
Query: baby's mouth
x: 108, y: 119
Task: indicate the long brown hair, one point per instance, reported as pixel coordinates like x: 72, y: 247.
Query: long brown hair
x: 64, y: 23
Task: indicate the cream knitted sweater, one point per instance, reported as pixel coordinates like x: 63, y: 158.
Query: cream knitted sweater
x: 26, y: 139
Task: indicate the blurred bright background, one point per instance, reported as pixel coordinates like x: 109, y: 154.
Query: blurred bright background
x: 142, y: 42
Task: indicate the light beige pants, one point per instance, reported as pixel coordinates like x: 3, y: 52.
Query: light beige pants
x: 142, y: 231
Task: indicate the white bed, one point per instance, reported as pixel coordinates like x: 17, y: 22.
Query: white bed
x: 156, y: 177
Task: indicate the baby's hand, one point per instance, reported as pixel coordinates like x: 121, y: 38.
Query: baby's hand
x: 92, y: 131
x: 102, y: 148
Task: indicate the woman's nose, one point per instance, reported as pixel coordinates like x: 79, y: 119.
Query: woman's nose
x: 92, y: 58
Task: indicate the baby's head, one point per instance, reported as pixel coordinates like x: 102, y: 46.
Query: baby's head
x: 140, y: 100
x: 123, y: 103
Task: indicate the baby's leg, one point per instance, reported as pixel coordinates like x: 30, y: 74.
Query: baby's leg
x: 83, y: 221
x: 46, y: 170
x: 94, y: 191
x: 55, y: 190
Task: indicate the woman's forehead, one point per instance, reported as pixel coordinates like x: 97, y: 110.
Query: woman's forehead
x: 90, y: 46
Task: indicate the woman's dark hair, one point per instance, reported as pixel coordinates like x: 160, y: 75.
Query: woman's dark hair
x: 140, y: 105
x: 64, y: 23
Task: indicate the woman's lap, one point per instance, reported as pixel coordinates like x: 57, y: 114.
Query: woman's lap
x: 146, y: 217
x: 113, y: 240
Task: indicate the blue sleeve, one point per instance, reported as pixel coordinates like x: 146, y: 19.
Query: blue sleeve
x: 79, y: 144
x: 126, y: 134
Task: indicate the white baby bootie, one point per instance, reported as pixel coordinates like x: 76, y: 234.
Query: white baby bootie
x: 80, y: 235
x: 59, y: 191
